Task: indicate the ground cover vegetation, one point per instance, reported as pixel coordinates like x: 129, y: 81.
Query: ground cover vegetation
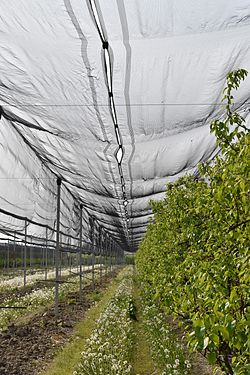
x: 30, y: 302
x: 142, y: 361
x: 17, y: 281
x: 28, y: 346
x: 168, y: 352
x: 69, y: 356
x: 32, y: 299
x: 124, y: 332
x: 108, y: 350
x: 113, y: 346
x: 194, y: 260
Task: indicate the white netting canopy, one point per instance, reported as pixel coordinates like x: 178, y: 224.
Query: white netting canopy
x: 116, y: 98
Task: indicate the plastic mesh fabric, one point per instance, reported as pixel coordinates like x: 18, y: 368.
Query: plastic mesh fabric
x: 68, y: 100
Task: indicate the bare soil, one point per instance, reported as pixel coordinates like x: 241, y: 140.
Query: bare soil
x: 26, y: 348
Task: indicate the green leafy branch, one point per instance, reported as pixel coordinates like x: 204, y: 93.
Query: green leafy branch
x: 229, y: 129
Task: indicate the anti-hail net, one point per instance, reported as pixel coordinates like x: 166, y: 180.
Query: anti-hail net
x: 115, y: 97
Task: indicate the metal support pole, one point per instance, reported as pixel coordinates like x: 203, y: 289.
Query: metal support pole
x: 100, y: 252
x: 46, y: 255
x: 70, y: 255
x: 110, y: 254
x: 114, y: 254
x: 59, y: 181
x: 14, y: 251
x: 93, y: 254
x: 80, y: 252
x: 106, y: 255
x: 30, y: 251
x: 60, y: 257
x: 25, y: 255
x: 5, y: 257
x: 8, y: 256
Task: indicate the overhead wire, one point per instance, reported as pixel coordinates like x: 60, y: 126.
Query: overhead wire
x: 117, y: 104
x: 109, y: 83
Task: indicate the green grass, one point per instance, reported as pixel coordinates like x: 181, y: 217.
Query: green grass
x: 142, y: 363
x: 70, y: 355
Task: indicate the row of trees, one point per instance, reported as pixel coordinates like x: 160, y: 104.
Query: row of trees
x: 195, y: 257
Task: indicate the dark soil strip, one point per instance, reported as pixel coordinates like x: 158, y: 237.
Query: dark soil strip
x: 25, y: 348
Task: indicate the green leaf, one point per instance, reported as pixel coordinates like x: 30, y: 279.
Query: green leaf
x: 195, y: 255
x: 211, y: 357
x: 215, y: 338
x: 224, y: 332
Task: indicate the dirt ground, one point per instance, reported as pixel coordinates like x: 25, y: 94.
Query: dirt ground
x: 25, y: 348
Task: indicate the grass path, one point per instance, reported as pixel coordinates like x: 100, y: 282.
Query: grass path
x: 142, y: 363
x: 65, y: 361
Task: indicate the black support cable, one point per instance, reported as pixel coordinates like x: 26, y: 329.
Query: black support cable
x: 96, y: 15
x: 85, y: 59
x: 23, y: 218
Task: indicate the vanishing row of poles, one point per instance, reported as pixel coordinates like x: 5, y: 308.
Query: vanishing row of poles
x: 114, y: 250
x: 109, y: 249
